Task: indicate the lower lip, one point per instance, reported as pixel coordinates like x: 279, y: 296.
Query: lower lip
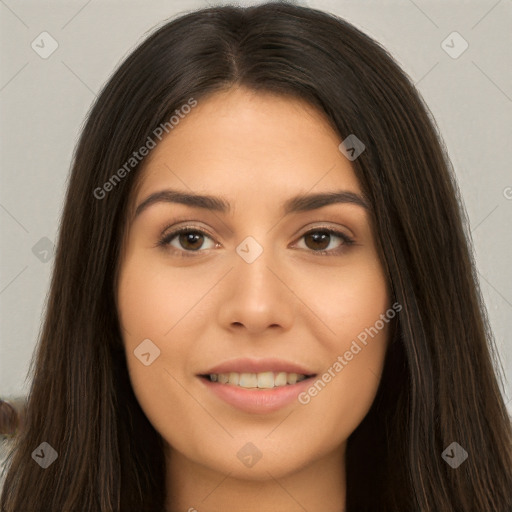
x: 257, y: 401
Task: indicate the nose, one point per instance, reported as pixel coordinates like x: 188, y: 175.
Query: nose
x: 257, y: 294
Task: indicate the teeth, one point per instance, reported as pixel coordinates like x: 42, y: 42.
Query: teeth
x: 280, y: 379
x: 291, y: 378
x: 248, y: 380
x: 266, y: 380
x: 263, y: 380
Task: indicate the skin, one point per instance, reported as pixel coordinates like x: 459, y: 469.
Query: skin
x: 255, y: 150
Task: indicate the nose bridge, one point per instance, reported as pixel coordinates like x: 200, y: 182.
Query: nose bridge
x: 256, y: 258
x: 257, y: 298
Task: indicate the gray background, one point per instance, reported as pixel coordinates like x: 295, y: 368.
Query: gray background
x: 43, y: 103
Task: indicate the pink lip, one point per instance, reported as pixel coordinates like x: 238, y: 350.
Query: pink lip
x: 247, y: 365
x: 256, y: 401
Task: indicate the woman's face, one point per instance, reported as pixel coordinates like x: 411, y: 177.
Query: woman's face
x: 246, y: 293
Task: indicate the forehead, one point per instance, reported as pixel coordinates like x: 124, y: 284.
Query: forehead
x: 246, y: 146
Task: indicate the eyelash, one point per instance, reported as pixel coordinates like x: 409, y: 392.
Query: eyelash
x: 167, y: 238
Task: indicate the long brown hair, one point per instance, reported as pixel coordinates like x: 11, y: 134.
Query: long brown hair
x: 439, y: 384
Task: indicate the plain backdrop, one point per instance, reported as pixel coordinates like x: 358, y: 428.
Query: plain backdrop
x: 45, y: 98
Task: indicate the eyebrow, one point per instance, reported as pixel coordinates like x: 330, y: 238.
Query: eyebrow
x: 299, y: 203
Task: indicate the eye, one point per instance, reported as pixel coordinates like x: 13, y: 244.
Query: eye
x: 188, y: 240
x: 319, y: 240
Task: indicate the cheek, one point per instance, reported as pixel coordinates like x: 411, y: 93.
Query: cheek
x: 347, y: 385
x: 354, y: 307
x: 345, y: 300
x: 157, y: 304
x: 154, y: 300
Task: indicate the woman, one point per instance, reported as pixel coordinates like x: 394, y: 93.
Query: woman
x: 203, y: 348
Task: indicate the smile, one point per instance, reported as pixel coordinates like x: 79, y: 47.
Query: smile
x: 256, y: 393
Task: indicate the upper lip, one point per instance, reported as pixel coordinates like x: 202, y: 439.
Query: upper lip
x: 249, y: 365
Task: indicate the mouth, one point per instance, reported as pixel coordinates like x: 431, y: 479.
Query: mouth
x: 256, y: 393
x: 257, y: 381
x: 256, y: 386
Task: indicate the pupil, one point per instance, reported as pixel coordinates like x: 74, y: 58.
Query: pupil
x: 320, y: 237
x: 190, y: 237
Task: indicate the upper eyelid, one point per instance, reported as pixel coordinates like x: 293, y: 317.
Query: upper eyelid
x: 188, y: 224
x: 205, y: 231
